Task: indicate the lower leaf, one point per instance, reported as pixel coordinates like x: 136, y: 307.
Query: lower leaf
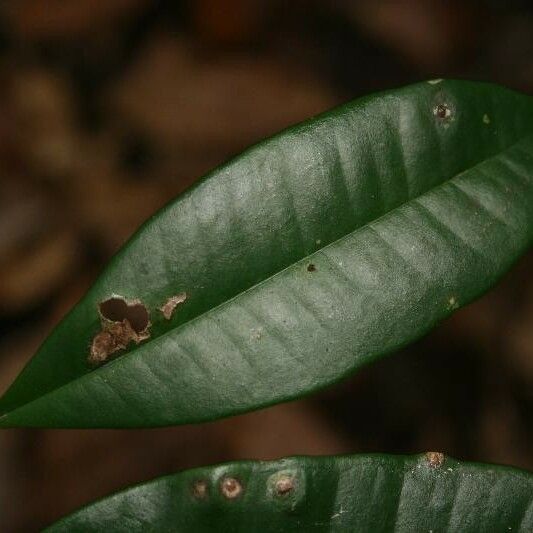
x: 428, y: 492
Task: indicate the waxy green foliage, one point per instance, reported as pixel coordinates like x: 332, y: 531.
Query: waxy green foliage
x: 376, y: 493
x: 308, y: 256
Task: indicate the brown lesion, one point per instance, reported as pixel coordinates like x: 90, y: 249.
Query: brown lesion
x: 200, y: 489
x: 284, y: 485
x: 434, y: 459
x: 442, y: 111
x: 122, y: 322
x: 231, y: 488
x: 172, y: 302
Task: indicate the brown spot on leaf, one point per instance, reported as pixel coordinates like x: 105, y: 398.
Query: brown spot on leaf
x: 103, y: 344
x: 442, y: 111
x: 311, y: 268
x: 122, y: 322
x: 434, y: 459
x: 231, y: 488
x: 170, y: 305
x: 200, y: 489
x: 284, y: 485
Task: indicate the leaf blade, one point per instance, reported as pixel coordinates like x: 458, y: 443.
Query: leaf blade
x: 240, y: 346
x: 325, y: 494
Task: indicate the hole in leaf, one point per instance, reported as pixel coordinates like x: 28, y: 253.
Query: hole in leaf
x: 122, y: 322
x: 117, y: 310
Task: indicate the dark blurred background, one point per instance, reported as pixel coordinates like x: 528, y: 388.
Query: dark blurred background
x: 110, y: 109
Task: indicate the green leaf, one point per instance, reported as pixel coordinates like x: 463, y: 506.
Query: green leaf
x: 375, y: 493
x: 308, y: 256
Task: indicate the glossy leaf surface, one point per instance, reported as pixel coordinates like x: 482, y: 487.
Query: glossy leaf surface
x: 308, y: 256
x: 330, y: 494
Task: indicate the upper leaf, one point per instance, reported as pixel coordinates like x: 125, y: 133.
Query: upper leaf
x: 377, y: 493
x: 309, y: 255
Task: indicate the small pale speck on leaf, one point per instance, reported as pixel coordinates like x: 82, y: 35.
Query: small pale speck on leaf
x: 230, y: 488
x: 256, y: 334
x: 434, y: 459
x: 434, y: 82
x: 170, y: 305
x: 453, y: 302
x: 486, y: 119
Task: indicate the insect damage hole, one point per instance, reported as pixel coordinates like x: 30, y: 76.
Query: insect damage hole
x: 122, y: 322
x: 117, y: 310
